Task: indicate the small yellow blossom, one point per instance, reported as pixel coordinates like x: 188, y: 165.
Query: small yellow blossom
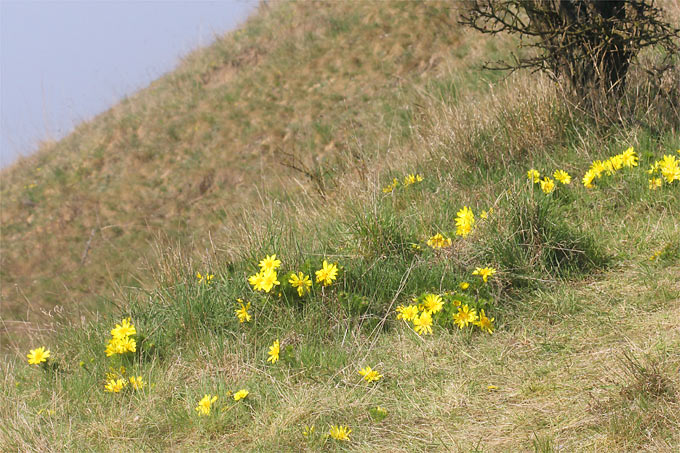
x: 412, y: 179
x: 407, y: 313
x: 204, y: 278
x: 241, y: 394
x: 38, y: 356
x: 137, y: 382
x: 433, y: 303
x: 547, y: 185
x: 484, y: 322
x: 269, y: 280
x: 423, y: 323
x: 301, y: 282
x: 655, y: 183
x: 124, y: 329
x: 533, y: 175
x: 340, y: 432
x: 465, y: 316
x: 438, y: 241
x: 274, y: 350
x: 464, y: 285
x: 369, y: 374
x: 465, y: 219
x: 308, y: 431
x: 562, y: 176
x: 588, y: 179
x: 205, y: 405
x: 115, y: 385
x: 120, y: 346
x: 327, y: 274
x: 485, y: 214
x: 242, y: 313
x: 270, y: 263
x: 484, y: 272
x: 391, y: 187
x: 629, y: 158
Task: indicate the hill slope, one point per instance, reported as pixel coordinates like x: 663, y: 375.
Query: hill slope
x: 584, y: 304
x: 179, y: 162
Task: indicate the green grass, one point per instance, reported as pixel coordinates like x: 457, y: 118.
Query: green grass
x: 584, y: 355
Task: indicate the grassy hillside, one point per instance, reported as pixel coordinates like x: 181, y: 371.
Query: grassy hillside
x: 585, y: 300
x: 184, y: 162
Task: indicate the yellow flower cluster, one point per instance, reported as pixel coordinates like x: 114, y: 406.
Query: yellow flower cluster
x: 668, y: 167
x: 547, y: 184
x: 266, y: 279
x: 421, y: 312
x: 121, y: 339
x: 628, y: 158
x: 207, y: 278
x: 204, y: 406
x: 116, y: 381
x: 409, y: 179
x: 438, y: 241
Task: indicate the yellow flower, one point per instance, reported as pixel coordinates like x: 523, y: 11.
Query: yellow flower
x: 120, y: 346
x: 115, y: 385
x: 433, y: 303
x: 598, y: 167
x: 670, y: 168
x: 369, y: 374
x: 484, y: 272
x: 242, y: 313
x: 655, y: 183
x: 391, y: 187
x: 327, y: 274
x: 484, y: 323
x: 241, y: 394
x: 208, y: 278
x: 256, y: 281
x: 38, y: 356
x: 438, y: 241
x: 269, y: 280
x: 562, y: 176
x: 533, y: 175
x: 340, y: 432
x: 464, y: 221
x: 270, y: 263
x: 464, y: 285
x: 407, y: 313
x: 615, y: 163
x: 465, y: 316
x: 124, y: 329
x: 588, y: 179
x: 137, y: 382
x: 412, y: 179
x: 274, y: 350
x: 547, y: 185
x: 301, y: 282
x: 205, y: 404
x: 486, y: 214
x: 423, y: 323
x: 308, y: 431
x: 629, y: 158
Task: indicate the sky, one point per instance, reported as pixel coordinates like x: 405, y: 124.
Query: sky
x: 64, y: 62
